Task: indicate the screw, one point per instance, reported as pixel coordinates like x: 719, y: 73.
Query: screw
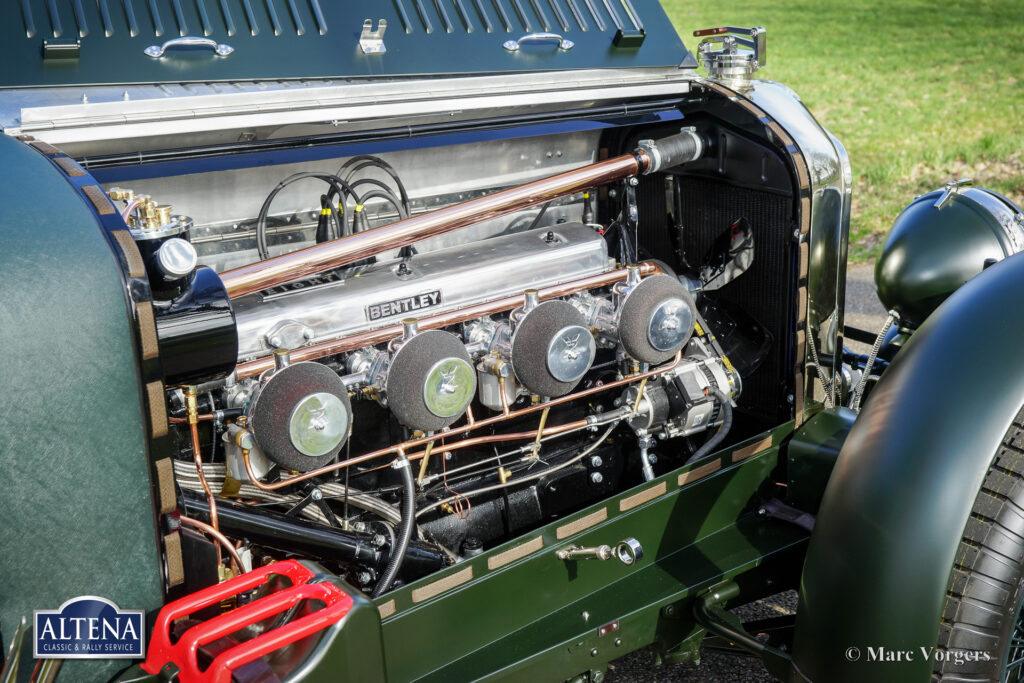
x: 448, y: 456
x: 364, y: 578
x: 633, y: 181
x: 618, y: 642
x: 596, y: 477
x: 789, y: 399
x: 596, y: 461
x: 593, y: 652
x: 597, y: 676
x: 379, y: 540
x: 669, y: 610
x: 316, y: 494
x: 585, y: 615
x: 652, y: 458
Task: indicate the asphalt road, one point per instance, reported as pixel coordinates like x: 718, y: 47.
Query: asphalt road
x: 863, y: 310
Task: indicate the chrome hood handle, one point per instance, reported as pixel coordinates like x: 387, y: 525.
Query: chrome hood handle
x: 157, y: 51
x: 514, y: 45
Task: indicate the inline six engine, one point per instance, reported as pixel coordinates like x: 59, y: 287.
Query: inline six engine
x: 392, y: 404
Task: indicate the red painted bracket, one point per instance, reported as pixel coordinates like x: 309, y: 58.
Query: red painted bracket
x: 183, y: 653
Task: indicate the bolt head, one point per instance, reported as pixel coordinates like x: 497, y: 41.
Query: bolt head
x: 596, y: 461
x: 593, y: 652
x: 596, y: 477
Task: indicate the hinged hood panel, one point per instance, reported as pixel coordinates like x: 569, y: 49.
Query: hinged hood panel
x: 74, y: 42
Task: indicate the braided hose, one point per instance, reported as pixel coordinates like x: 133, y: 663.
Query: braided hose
x: 858, y: 394
x: 819, y: 371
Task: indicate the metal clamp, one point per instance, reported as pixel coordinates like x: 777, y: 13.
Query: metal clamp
x: 514, y: 45
x: 628, y: 552
x: 371, y: 40
x: 157, y: 51
x: 951, y: 189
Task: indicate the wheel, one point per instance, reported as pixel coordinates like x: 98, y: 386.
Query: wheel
x: 983, y: 610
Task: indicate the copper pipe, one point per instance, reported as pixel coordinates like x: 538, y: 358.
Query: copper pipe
x: 459, y: 430
x: 182, y: 420
x: 320, y: 257
x: 504, y: 399
x: 496, y: 438
x: 361, y: 340
x: 193, y: 423
x: 222, y: 540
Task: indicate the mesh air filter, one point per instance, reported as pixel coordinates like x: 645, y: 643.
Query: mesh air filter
x: 656, y: 319
x: 552, y: 349
x: 431, y: 381
x: 302, y: 407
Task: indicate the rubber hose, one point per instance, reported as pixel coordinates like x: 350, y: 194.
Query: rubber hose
x: 723, y: 430
x: 338, y: 186
x: 368, y: 160
x: 406, y: 528
x: 676, y: 149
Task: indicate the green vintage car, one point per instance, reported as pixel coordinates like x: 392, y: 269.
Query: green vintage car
x: 433, y: 340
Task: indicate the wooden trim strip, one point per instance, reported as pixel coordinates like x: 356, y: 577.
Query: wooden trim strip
x: 136, y: 268
x: 572, y: 528
x: 44, y: 147
x: 165, y: 484
x: 175, y: 559
x: 147, y: 330
x: 699, y: 472
x: 68, y: 165
x: 513, y: 554
x: 387, y: 609
x: 445, y: 584
x: 99, y: 199
x: 753, y: 449
x: 644, y: 496
x: 157, y: 409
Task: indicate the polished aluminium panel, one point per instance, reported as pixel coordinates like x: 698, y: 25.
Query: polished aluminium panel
x: 97, y: 120
x: 223, y: 204
x: 424, y: 284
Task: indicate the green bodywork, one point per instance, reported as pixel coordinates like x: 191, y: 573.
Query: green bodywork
x: 290, y: 41
x: 539, y: 618
x: 931, y: 252
x: 76, y: 513
x: 895, y: 507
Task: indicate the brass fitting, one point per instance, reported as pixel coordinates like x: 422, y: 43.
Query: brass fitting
x: 191, y: 405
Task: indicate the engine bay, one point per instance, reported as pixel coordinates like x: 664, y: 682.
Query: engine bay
x: 432, y: 398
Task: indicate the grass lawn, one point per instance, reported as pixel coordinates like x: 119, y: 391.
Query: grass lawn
x: 920, y: 92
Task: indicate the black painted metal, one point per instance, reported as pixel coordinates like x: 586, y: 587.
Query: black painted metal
x: 196, y: 331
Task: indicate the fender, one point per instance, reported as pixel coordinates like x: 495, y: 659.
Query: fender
x: 895, y: 506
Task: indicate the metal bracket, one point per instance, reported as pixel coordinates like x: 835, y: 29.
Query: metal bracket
x: 371, y: 41
x: 951, y: 189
